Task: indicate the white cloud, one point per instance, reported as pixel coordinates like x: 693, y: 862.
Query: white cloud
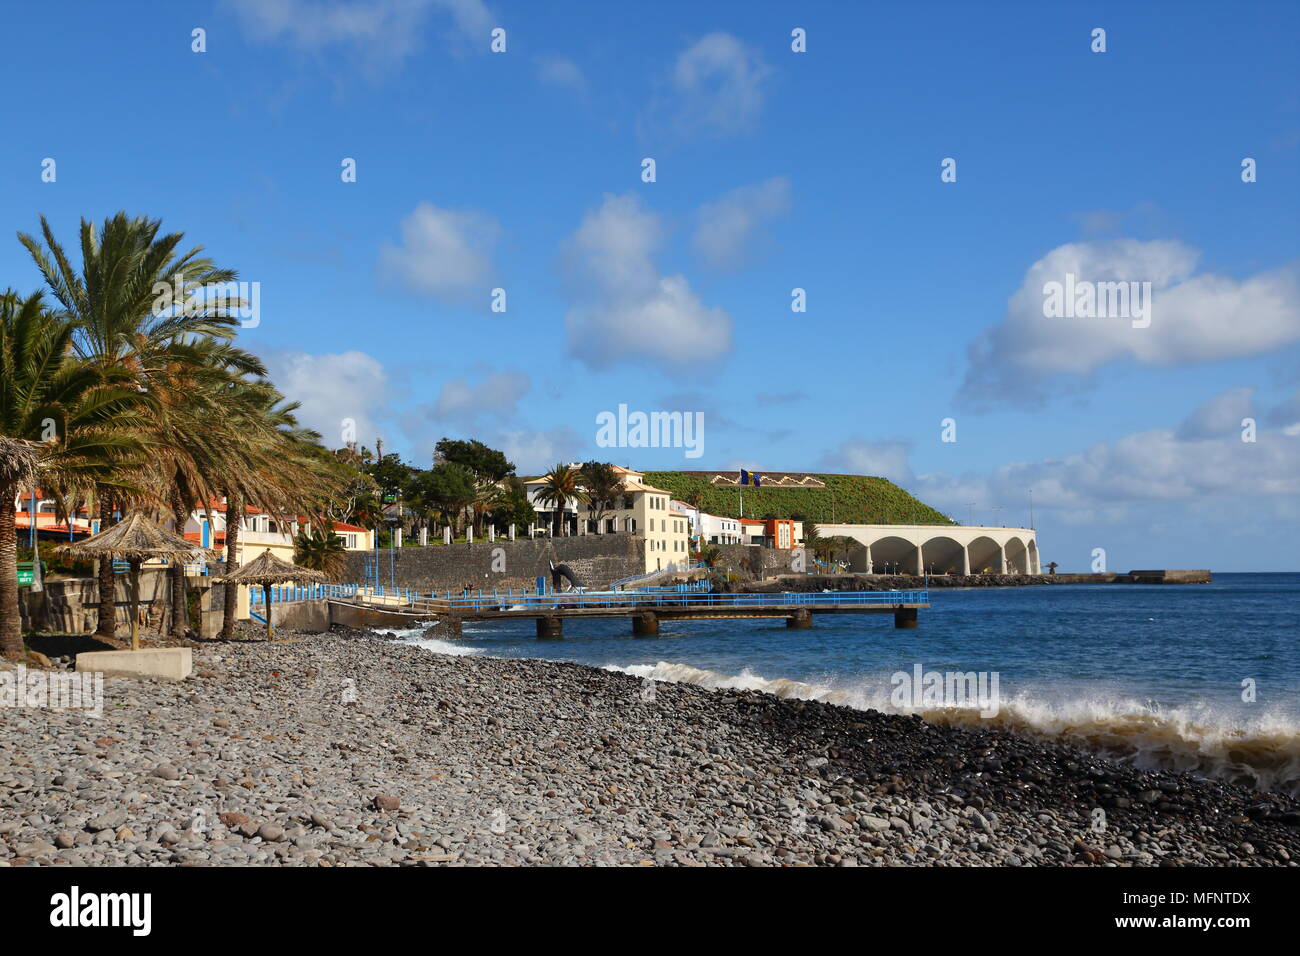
x: 534, y: 452
x: 883, y: 459
x: 1138, y: 469
x: 379, y: 29
x: 561, y: 72
x: 498, y: 395
x: 719, y: 80
x: 1194, y: 318
x: 1220, y: 416
x: 726, y: 227
x: 333, y: 389
x: 1287, y: 415
x: 625, y: 310
x: 444, y: 254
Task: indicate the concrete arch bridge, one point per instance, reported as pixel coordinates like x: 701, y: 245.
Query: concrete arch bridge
x: 939, y: 549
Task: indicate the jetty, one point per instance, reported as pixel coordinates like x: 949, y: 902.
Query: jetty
x: 645, y: 609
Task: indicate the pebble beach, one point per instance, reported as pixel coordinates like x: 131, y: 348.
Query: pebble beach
x: 347, y: 749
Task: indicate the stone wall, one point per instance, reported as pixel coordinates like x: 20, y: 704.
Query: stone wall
x: 596, y: 559
x: 71, y: 605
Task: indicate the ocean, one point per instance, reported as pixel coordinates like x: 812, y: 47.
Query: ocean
x: 1201, y: 678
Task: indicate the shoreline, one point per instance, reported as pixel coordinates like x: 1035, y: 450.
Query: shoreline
x: 284, y: 753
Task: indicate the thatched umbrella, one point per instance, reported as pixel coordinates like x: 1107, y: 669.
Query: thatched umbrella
x: 19, y: 461
x: 266, y: 569
x: 135, y: 538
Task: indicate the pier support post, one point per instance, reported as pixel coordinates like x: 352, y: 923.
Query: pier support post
x: 870, y: 567
x: 550, y: 628
x: 800, y: 620
x: 645, y: 624
x: 920, y: 562
x: 965, y: 559
x: 905, y: 617
x: 1002, y: 558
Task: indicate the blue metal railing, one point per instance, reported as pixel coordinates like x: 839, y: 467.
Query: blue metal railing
x: 525, y: 600
x: 285, y: 593
x: 632, y: 579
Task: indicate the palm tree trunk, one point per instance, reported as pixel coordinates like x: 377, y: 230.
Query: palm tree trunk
x: 557, y: 523
x: 11, y: 631
x: 180, y: 622
x: 234, y: 510
x: 107, y: 623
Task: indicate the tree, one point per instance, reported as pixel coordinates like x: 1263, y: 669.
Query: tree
x: 513, y: 507
x: 483, y: 461
x: 447, y: 490
x: 604, y: 485
x: 74, y: 422
x: 487, y: 495
x: 321, y: 551
x: 562, y: 485
x: 268, y: 462
x: 138, y: 304
x: 390, y: 474
x: 356, y: 496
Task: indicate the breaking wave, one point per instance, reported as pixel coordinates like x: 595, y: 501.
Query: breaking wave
x: 415, y: 637
x: 1263, y: 753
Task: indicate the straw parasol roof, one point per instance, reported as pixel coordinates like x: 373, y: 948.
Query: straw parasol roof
x: 18, y: 461
x: 267, y: 569
x: 135, y: 537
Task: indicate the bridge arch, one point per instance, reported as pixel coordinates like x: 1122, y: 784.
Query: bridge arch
x: 985, y: 555
x: 892, y: 554
x: 944, y: 555
x: 1017, y: 556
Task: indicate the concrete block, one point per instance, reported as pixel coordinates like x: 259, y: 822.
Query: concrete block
x: 165, y: 663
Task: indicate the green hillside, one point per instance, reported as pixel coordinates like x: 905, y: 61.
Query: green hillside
x: 850, y: 499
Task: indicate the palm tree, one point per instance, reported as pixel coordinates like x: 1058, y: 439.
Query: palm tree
x: 74, y: 421
x: 603, y: 485
x: 487, y: 496
x: 562, y: 485
x: 125, y: 304
x: 266, y: 461
x: 191, y: 389
x: 321, y: 551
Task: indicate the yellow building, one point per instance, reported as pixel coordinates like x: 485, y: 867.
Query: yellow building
x: 640, y: 510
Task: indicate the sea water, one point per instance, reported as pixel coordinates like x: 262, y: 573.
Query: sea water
x: 1203, y: 678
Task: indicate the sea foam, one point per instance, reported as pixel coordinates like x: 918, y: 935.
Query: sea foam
x: 1263, y: 753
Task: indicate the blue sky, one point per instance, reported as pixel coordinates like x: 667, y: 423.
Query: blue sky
x: 775, y: 170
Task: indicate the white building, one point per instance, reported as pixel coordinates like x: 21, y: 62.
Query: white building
x: 717, y: 529
x: 641, y: 509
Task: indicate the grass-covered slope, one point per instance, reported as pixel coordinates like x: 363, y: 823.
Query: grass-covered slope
x: 849, y: 499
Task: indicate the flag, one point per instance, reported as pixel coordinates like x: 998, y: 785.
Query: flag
x: 746, y: 478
